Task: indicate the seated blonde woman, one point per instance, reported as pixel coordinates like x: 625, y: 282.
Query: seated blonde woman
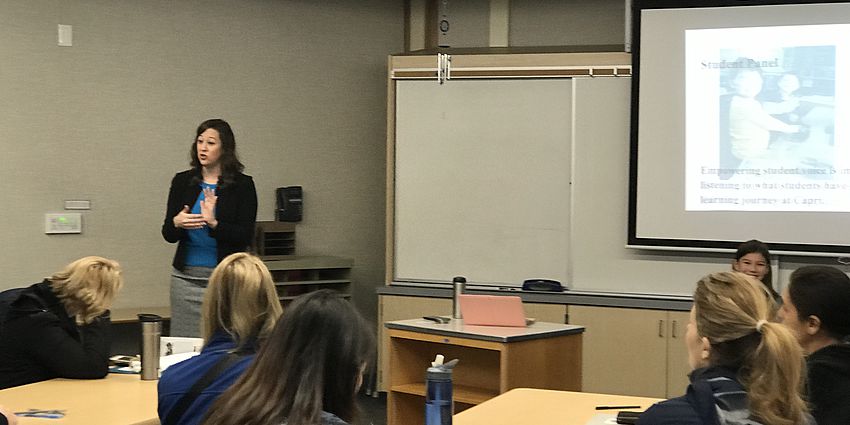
x: 239, y: 310
x: 309, y: 371
x: 746, y: 369
x: 59, y: 328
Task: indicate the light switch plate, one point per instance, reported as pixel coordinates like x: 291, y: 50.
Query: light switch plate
x: 59, y: 223
x: 65, y: 35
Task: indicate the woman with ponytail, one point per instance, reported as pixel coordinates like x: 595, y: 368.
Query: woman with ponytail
x: 747, y: 370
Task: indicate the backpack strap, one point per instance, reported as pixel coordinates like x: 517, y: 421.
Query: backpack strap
x: 200, y: 385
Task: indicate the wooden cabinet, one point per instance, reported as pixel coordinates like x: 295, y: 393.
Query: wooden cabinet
x: 633, y: 351
x: 393, y: 307
x: 296, y: 275
x: 677, y: 354
x: 274, y: 239
x: 493, y: 360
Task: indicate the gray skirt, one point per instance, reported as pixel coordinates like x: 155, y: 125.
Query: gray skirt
x: 187, y: 295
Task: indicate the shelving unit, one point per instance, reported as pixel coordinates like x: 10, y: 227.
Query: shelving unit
x: 392, y: 308
x: 493, y: 360
x: 297, y: 275
x: 274, y: 239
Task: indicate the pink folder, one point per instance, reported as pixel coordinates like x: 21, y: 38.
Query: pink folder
x: 492, y: 310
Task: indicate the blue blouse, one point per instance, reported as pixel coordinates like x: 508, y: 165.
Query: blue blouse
x: 201, y: 249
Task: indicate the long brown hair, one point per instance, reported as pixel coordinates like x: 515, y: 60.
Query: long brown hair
x: 230, y: 164
x: 754, y: 246
x: 733, y: 311
x: 311, y: 363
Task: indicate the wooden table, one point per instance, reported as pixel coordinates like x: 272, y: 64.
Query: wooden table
x: 493, y: 360
x: 130, y: 314
x: 546, y: 407
x: 115, y: 400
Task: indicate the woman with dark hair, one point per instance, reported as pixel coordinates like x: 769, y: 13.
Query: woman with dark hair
x: 753, y: 259
x: 746, y: 369
x: 816, y: 309
x: 307, y: 372
x: 59, y: 328
x: 211, y: 212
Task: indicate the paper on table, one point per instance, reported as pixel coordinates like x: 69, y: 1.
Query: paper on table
x: 166, y: 361
x: 603, y: 419
x: 169, y: 345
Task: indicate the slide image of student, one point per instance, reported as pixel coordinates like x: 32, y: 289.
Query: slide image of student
x: 749, y: 124
x: 778, y: 108
x: 782, y: 100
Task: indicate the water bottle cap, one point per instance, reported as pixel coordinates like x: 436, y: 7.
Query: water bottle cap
x: 459, y: 279
x: 438, y: 374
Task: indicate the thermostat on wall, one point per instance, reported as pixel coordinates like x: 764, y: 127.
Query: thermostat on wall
x: 58, y: 223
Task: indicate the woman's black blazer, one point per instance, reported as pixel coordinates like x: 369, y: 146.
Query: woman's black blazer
x: 235, y: 210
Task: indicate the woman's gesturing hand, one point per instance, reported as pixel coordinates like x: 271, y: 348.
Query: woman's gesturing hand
x: 186, y: 220
x: 208, y: 207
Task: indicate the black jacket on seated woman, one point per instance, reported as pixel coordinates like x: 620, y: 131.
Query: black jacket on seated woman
x: 815, y: 310
x: 40, y: 337
x: 714, y: 395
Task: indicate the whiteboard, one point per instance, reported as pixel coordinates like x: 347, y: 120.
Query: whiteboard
x: 504, y: 180
x: 482, y: 180
x: 599, y: 260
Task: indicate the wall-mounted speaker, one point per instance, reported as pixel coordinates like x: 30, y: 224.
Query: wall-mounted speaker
x: 290, y: 206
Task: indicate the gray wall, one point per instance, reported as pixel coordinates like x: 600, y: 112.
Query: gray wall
x: 531, y: 23
x: 470, y: 23
x: 111, y: 120
x: 566, y: 22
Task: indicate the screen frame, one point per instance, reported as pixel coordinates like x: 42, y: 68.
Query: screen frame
x: 633, y: 240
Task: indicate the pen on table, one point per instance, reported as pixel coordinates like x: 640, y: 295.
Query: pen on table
x: 616, y: 407
x: 46, y: 414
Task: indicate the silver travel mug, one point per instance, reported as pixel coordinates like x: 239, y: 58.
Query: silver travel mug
x: 149, y: 345
x: 459, y: 284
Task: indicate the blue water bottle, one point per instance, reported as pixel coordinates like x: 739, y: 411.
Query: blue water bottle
x: 439, y: 405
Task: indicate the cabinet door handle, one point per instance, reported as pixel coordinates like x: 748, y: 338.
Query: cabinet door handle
x: 661, y: 329
x: 673, y: 326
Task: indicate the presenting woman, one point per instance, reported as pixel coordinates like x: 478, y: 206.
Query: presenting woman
x: 211, y: 212
x: 59, y: 328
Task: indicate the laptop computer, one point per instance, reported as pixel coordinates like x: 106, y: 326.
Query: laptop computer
x: 492, y: 310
